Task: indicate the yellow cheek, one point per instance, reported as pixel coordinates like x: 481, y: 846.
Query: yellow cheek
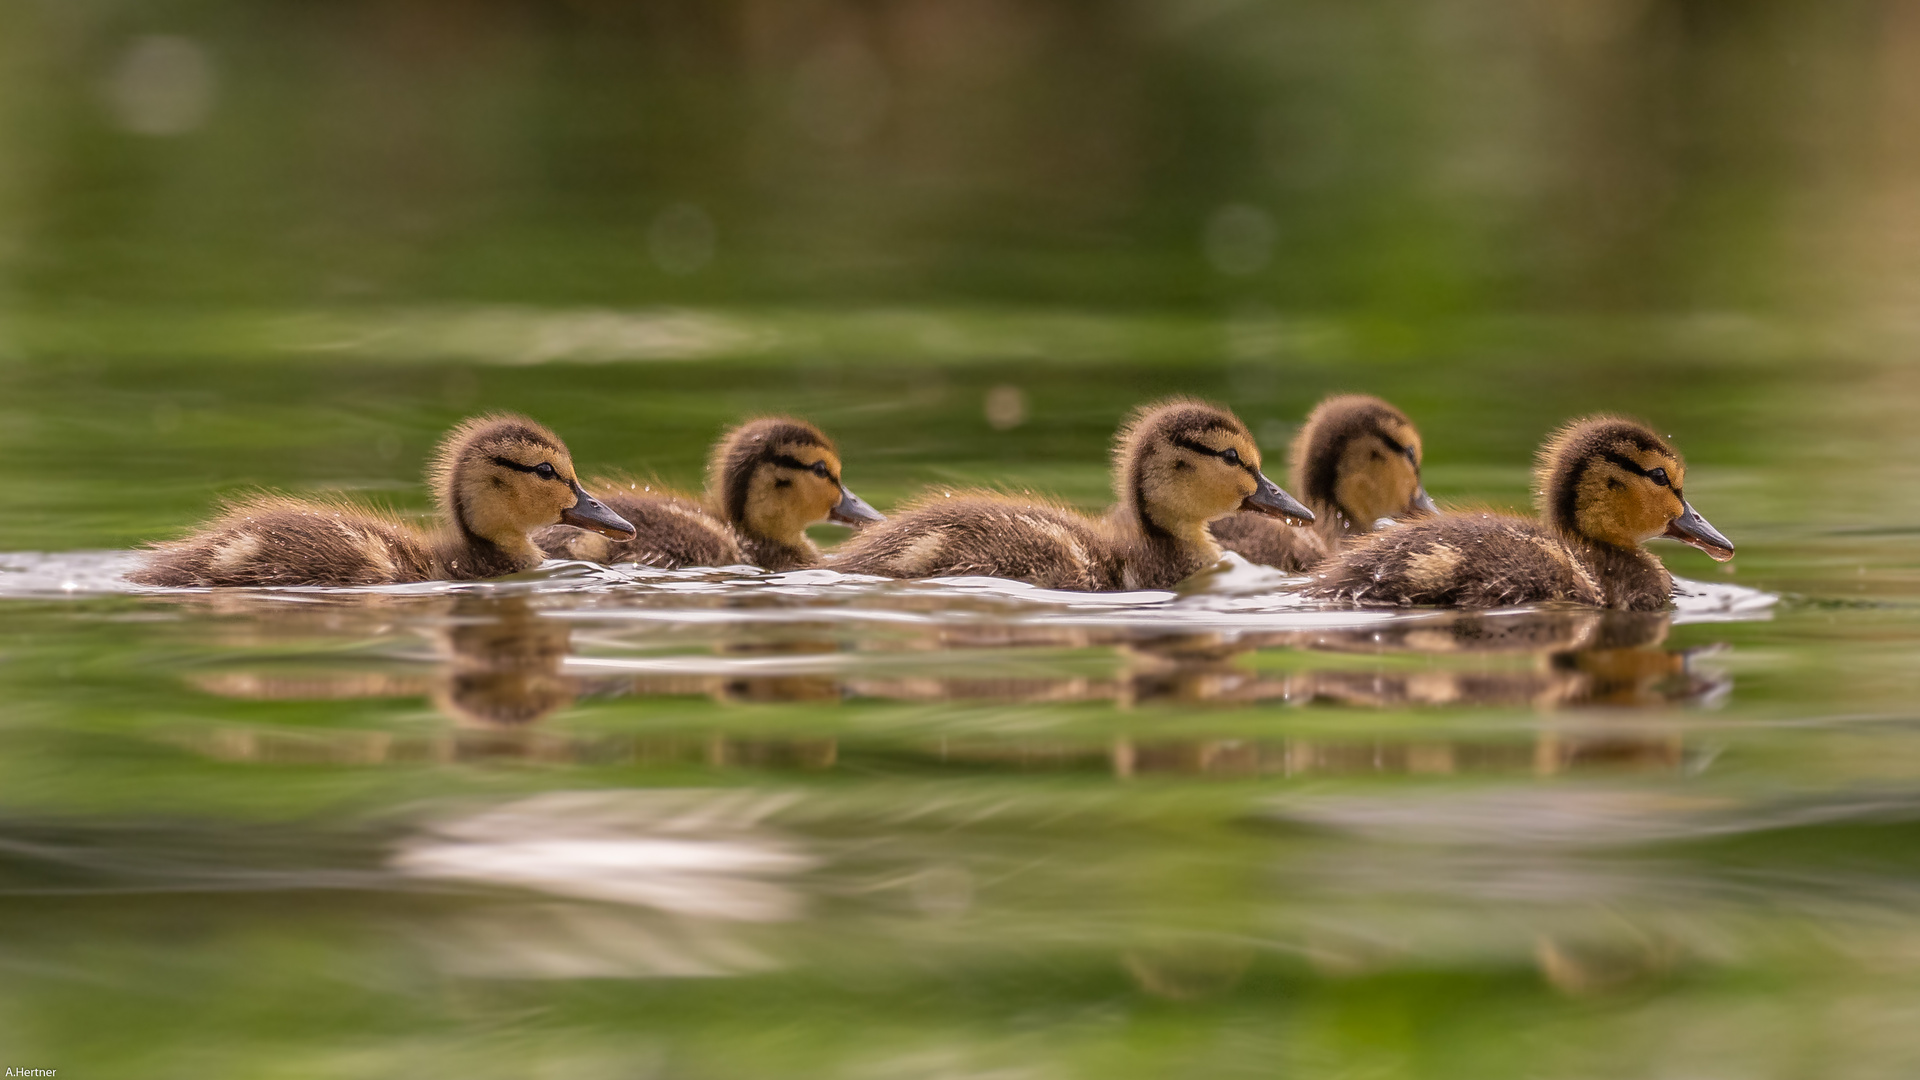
x: 1651, y: 514
x: 826, y: 497
x: 1234, y: 491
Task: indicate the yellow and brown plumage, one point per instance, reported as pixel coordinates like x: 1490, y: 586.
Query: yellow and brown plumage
x: 1602, y: 487
x: 767, y: 480
x: 1355, y: 461
x: 1177, y: 465
x: 495, y: 478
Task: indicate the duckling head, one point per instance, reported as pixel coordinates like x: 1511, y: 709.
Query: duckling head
x: 1614, y: 481
x: 774, y: 476
x: 1359, y: 458
x: 500, y: 476
x: 1179, y: 464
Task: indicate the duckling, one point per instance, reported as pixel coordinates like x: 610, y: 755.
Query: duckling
x: 767, y: 480
x: 1177, y: 465
x: 496, y: 478
x: 1355, y: 461
x: 1602, y: 485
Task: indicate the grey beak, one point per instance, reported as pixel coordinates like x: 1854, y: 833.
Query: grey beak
x: 1422, y: 501
x: 1691, y: 528
x: 590, y: 513
x: 853, y: 510
x: 1270, y: 500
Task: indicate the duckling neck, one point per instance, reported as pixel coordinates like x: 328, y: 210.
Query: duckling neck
x: 1334, y: 522
x: 466, y: 555
x: 1158, y: 556
x: 1632, y: 577
x: 778, y: 553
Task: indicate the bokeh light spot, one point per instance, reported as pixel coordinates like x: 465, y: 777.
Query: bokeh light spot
x: 1238, y: 239
x: 162, y: 85
x: 1005, y: 407
x: 681, y: 240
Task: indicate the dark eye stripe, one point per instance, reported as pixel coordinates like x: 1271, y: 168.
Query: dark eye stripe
x: 1202, y: 448
x: 1625, y: 462
x: 790, y: 462
x: 509, y: 463
x: 1399, y: 447
x: 1631, y: 466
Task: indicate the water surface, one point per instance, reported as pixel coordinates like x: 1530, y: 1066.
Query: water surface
x: 725, y: 822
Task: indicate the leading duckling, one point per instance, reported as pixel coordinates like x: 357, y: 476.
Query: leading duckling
x: 1602, y: 487
x: 1355, y: 462
x: 767, y: 480
x: 1177, y: 465
x: 495, y: 478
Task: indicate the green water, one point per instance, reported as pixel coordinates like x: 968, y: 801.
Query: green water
x: 594, y: 823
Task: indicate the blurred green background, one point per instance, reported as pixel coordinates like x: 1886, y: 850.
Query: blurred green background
x: 286, y: 244
x: 1397, y: 160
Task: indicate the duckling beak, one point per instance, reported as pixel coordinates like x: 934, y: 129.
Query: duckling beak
x: 1270, y: 500
x: 591, y: 514
x: 1422, y: 501
x: 853, y: 510
x: 1691, y: 528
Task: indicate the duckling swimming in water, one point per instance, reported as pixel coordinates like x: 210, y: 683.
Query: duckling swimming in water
x: 1177, y: 465
x: 496, y: 478
x: 1602, y: 485
x: 1355, y: 461
x: 767, y: 480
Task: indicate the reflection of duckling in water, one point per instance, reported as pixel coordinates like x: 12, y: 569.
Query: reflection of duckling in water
x: 503, y: 664
x: 1589, y: 968
x: 1192, y: 668
x: 1580, y: 656
x: 1178, y: 465
x: 1354, y: 462
x: 1603, y: 486
x: 1538, y: 659
x: 778, y: 686
x: 767, y: 480
x: 496, y: 478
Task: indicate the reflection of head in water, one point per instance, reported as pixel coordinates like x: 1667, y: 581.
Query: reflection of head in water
x: 502, y: 663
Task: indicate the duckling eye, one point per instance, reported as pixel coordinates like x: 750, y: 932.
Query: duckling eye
x: 544, y: 471
x: 1658, y: 476
x: 1230, y: 456
x: 820, y: 469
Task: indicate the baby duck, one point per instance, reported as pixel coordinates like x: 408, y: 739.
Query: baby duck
x: 1602, y: 485
x: 1355, y: 461
x: 767, y: 480
x: 495, y: 478
x: 1177, y: 465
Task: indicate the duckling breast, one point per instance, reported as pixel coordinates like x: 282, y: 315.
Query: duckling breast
x: 670, y: 532
x: 1269, y: 542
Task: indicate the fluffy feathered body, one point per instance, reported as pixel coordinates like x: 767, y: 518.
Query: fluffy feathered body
x: 988, y: 534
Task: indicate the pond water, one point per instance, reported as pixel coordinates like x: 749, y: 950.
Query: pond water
x: 598, y: 821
